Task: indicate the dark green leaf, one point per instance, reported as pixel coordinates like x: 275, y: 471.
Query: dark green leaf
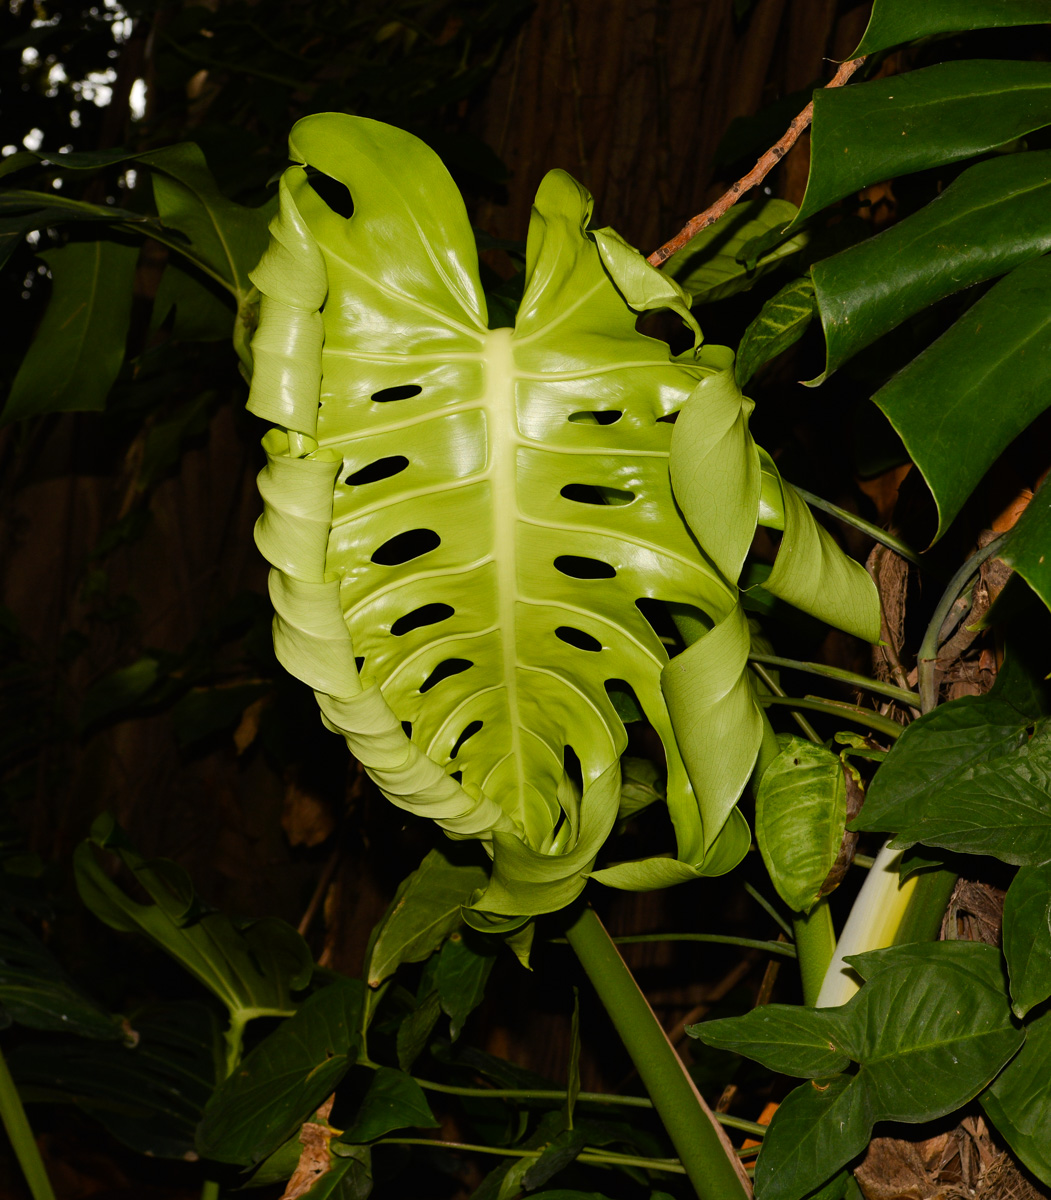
x: 149, y: 1096
x: 969, y: 395
x: 869, y: 289
x: 35, y: 991
x: 943, y: 745
x: 557, y: 1155
x: 253, y: 970
x: 202, y: 313
x: 896, y: 21
x: 1027, y: 937
x: 708, y: 266
x: 819, y: 1126
x: 783, y: 1037
x: 463, y: 970
x: 800, y: 815
x: 78, y: 349
x: 118, y: 691
x: 641, y: 784
x: 166, y: 440
x: 415, y: 1030
x: 905, y: 123
x: 204, y: 711
x: 1018, y: 1101
x: 425, y: 910
x: 782, y: 321
x: 284, y: 1079
x: 1027, y: 546
x: 394, y: 1101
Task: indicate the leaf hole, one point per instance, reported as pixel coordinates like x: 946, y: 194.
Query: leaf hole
x: 571, y: 764
x: 583, y: 568
x: 335, y: 194
x: 404, y: 547
x: 382, y: 468
x: 586, y: 493
x: 457, y: 775
x: 624, y: 700
x: 578, y: 638
x: 670, y: 419
x: 359, y: 662
x: 407, y: 728
x: 444, y: 670
x: 469, y: 732
x: 404, y: 391
x: 659, y: 620
x: 598, y: 416
x: 429, y: 614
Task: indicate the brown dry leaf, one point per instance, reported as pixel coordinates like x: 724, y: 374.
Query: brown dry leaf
x: 315, y: 1159
x: 882, y: 490
x: 306, y: 819
x: 1007, y: 519
x: 248, y: 729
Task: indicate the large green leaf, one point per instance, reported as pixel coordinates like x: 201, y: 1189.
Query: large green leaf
x: 896, y: 21
x: 78, y: 349
x: 800, y: 816
x: 394, y: 1101
x: 905, y: 123
x: 35, y: 991
x: 1018, y: 1102
x: 970, y: 394
x: 1027, y: 937
x: 424, y: 911
x: 463, y: 970
x: 474, y: 513
x: 284, y: 1079
x: 253, y: 969
x: 913, y: 1065
x: 708, y: 266
x: 1027, y: 546
x: 869, y: 289
x: 794, y: 1041
x: 941, y: 748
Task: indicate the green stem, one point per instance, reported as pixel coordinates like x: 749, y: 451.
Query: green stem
x: 605, y: 1157
x: 859, y: 716
x: 782, y: 948
x: 20, y: 1134
x: 923, y: 916
x: 859, y: 681
x: 210, y: 1191
x: 776, y: 690
x: 874, y: 531
x: 702, y: 1147
x: 815, y: 945
x: 928, y: 656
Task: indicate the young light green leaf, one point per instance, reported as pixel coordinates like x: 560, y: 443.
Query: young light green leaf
x: 394, y: 1101
x: 709, y: 266
x: 252, y: 969
x: 496, y: 410
x: 891, y: 127
x: 970, y: 394
x: 88, y: 315
x: 1018, y: 1101
x: 284, y: 1079
x: 869, y: 289
x: 463, y: 970
x: 896, y: 21
x: 424, y: 911
x: 1027, y: 937
x: 781, y: 322
x: 800, y: 816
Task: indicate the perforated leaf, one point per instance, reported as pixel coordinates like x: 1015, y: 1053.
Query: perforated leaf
x: 474, y: 534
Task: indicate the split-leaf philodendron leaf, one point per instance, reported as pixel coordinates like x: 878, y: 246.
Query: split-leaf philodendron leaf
x: 470, y: 526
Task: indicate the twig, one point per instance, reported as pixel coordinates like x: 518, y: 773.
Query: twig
x: 756, y: 175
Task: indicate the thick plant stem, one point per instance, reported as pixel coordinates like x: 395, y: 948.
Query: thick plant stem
x: 21, y: 1137
x: 815, y: 940
x: 701, y: 1145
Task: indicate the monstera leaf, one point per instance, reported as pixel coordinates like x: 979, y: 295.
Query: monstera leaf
x: 475, y: 541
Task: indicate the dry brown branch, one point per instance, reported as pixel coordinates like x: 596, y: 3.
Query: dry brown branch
x: 756, y: 175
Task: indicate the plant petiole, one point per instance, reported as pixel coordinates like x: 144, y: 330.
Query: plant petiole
x: 20, y: 1134
x: 874, y: 531
x: 900, y: 695
x: 599, y: 1157
x: 848, y: 712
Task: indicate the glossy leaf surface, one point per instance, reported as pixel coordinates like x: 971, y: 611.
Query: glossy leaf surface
x: 800, y: 815
x: 282, y: 1081
x: 896, y: 21
x: 969, y: 395
x: 869, y: 289
x: 781, y: 322
x: 1018, y: 1102
x: 869, y: 132
x: 1027, y: 937
x: 914, y: 1064
x: 88, y: 314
